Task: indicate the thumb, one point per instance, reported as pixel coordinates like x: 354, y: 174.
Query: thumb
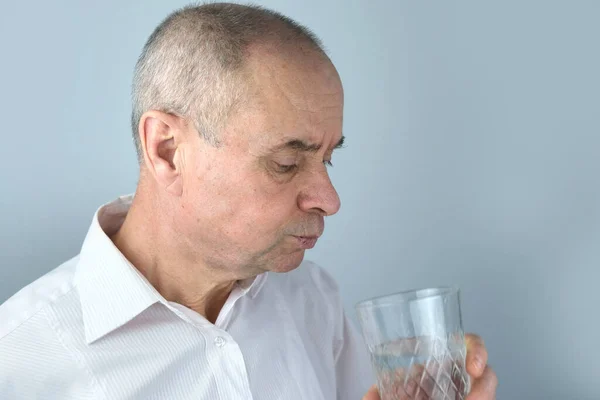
x: 372, y: 394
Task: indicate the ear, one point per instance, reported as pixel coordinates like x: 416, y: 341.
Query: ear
x: 161, y: 135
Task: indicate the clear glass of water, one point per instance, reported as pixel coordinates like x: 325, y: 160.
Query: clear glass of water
x: 417, y: 344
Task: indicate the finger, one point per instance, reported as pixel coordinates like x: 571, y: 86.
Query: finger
x: 398, y: 389
x: 401, y: 384
x: 432, y: 379
x: 477, y: 355
x: 413, y: 381
x: 372, y: 394
x: 484, y: 388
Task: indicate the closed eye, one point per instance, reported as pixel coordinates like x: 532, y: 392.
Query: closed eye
x: 284, y: 169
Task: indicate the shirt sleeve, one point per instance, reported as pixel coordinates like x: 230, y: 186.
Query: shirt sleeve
x: 354, y: 373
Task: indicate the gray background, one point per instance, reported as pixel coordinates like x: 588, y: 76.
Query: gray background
x: 473, y: 137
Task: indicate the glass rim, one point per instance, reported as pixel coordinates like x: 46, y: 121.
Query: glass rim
x: 407, y: 296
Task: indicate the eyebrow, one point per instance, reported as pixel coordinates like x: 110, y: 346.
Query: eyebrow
x: 297, y: 144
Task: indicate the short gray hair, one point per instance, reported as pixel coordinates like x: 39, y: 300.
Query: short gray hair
x: 192, y: 64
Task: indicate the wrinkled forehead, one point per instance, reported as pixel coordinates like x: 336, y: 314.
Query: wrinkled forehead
x: 293, y: 72
x: 294, y: 96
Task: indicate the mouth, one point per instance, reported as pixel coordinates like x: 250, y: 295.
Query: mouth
x: 307, y: 242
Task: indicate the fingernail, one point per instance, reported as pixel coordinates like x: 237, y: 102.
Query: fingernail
x: 478, y: 364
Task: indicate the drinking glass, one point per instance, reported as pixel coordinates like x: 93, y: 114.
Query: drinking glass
x: 417, y: 344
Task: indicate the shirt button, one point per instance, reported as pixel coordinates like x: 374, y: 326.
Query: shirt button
x: 219, y: 341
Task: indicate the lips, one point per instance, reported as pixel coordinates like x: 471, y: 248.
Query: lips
x: 307, y: 242
x: 308, y: 233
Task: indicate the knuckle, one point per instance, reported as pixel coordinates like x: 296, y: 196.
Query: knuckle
x: 474, y: 337
x: 475, y: 340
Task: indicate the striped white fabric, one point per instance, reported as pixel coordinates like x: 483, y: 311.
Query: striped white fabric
x: 94, y: 328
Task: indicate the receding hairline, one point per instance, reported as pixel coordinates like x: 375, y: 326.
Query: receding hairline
x: 272, y: 29
x: 213, y: 45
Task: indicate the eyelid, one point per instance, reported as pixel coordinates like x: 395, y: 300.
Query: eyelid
x: 285, y: 168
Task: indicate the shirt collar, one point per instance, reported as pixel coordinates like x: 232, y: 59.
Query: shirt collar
x: 111, y: 290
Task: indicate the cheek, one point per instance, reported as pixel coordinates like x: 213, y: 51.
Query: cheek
x: 265, y: 211
x: 256, y: 206
x: 241, y: 205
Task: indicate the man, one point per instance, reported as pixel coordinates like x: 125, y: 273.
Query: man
x: 195, y: 288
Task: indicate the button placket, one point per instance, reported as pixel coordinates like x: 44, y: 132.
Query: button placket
x: 220, y: 341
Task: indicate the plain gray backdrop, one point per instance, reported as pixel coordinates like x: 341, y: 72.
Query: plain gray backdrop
x: 472, y: 159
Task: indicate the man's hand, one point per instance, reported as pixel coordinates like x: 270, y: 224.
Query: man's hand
x: 372, y: 394
x: 483, y: 379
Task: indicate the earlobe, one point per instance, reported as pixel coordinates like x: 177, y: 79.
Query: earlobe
x: 159, y: 137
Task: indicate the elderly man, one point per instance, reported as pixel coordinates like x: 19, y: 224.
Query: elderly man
x: 195, y: 287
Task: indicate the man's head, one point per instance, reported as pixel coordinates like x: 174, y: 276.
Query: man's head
x: 236, y: 111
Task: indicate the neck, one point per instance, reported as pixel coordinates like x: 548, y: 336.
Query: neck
x: 146, y: 241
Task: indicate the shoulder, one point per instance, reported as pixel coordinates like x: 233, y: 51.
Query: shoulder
x: 36, y: 297
x: 35, y: 363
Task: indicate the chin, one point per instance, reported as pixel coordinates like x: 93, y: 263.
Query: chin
x: 289, y: 263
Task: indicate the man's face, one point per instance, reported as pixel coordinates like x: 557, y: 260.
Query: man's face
x: 258, y: 201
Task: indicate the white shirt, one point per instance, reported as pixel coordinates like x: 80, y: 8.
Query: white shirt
x: 94, y: 328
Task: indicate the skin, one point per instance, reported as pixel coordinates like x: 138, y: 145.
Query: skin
x: 204, y: 218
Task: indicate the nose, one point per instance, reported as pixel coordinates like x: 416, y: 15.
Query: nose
x: 319, y: 195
